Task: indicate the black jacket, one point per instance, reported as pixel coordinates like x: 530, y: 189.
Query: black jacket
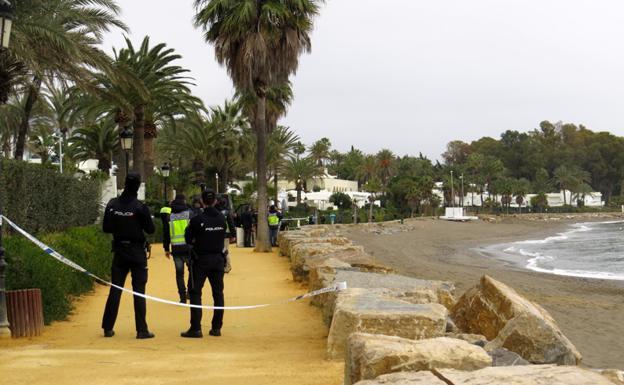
x: 206, y: 232
x: 247, y: 219
x: 176, y: 207
x: 127, y: 219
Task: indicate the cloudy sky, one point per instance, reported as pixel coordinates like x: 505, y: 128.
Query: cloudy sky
x: 412, y: 75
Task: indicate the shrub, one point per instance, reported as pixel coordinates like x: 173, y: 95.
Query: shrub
x: 40, y: 199
x: 29, y: 267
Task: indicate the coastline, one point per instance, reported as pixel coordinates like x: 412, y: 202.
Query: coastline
x: 589, y: 311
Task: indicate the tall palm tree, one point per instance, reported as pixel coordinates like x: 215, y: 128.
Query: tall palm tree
x: 387, y: 161
x: 320, y: 151
x: 280, y: 146
x: 231, y: 125
x: 368, y: 169
x: 570, y: 178
x: 59, y: 39
x: 299, y: 170
x: 259, y: 41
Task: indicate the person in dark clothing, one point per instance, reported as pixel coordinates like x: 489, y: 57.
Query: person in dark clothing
x: 206, y: 235
x: 247, y: 222
x: 174, y: 227
x: 128, y: 219
x: 274, y: 218
x: 230, y: 230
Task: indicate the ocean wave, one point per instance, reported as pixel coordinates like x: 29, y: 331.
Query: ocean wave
x: 535, y: 258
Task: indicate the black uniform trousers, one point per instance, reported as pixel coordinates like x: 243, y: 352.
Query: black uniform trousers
x: 127, y: 259
x: 248, y: 239
x: 209, y: 267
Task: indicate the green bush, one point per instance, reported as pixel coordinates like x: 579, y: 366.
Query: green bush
x: 40, y: 199
x: 29, y: 267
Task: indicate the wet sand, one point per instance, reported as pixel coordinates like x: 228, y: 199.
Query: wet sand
x: 282, y: 344
x: 590, y: 312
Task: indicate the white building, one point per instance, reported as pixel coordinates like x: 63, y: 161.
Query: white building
x: 473, y: 199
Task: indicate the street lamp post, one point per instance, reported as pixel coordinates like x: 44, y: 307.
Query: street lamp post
x: 217, y: 179
x: 165, y: 169
x: 6, y: 21
x: 462, y: 189
x: 126, y: 138
x: 452, y: 191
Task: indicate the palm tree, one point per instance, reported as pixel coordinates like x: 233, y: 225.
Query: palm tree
x: 570, y: 178
x: 521, y: 189
x: 280, y: 146
x: 259, y: 42
x: 231, y: 124
x: 386, y: 161
x: 11, y: 73
x: 95, y: 141
x: 368, y: 169
x: 59, y: 39
x: 320, y: 151
x: 299, y: 170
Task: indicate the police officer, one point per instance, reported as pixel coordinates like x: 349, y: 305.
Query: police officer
x: 127, y: 219
x: 274, y: 219
x: 230, y: 229
x: 174, y: 226
x: 206, y: 234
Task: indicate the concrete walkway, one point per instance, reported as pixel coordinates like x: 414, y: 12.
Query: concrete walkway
x: 278, y: 345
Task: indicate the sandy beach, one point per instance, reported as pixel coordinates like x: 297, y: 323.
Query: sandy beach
x: 282, y: 344
x: 590, y: 312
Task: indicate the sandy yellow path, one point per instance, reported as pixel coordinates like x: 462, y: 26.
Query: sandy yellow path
x: 278, y: 345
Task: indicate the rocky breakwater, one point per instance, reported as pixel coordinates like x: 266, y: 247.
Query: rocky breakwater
x: 510, y: 321
x: 393, y: 329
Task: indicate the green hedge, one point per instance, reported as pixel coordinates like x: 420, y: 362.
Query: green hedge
x: 29, y: 267
x: 40, y: 199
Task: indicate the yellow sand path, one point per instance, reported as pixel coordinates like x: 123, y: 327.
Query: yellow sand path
x: 282, y: 344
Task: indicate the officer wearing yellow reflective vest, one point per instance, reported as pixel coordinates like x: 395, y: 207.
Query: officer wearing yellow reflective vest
x: 175, y: 220
x: 274, y: 218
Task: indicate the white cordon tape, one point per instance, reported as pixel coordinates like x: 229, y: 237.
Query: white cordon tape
x: 339, y: 286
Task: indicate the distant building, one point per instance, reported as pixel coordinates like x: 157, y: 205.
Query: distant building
x: 473, y: 199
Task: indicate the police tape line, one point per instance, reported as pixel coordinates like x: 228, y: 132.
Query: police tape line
x: 339, y: 286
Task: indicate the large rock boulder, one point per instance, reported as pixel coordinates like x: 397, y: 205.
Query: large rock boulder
x: 289, y: 243
x: 512, y: 322
x: 305, y: 254
x: 356, y: 258
x: 524, y: 375
x: 371, y: 355
x: 405, y: 378
x: 503, y: 357
x: 513, y: 375
x: 361, y: 310
x: 408, y: 289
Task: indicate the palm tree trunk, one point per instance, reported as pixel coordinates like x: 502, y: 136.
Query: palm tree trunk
x: 33, y: 95
x: 225, y: 173
x: 370, y: 213
x: 138, y: 149
x: 298, y: 194
x: 275, y: 185
x: 262, y: 243
x: 148, y: 160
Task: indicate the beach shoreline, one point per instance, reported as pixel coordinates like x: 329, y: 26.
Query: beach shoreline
x: 589, y: 311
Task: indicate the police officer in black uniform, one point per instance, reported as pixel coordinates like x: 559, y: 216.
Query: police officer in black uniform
x: 127, y: 219
x: 206, y: 234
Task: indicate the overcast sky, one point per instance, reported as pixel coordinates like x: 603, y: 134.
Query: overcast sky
x: 412, y: 75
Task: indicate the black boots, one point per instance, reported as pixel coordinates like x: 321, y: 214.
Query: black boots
x: 215, y: 332
x: 109, y: 333
x: 145, y: 335
x: 192, y: 334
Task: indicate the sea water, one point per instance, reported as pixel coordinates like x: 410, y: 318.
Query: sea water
x: 590, y: 250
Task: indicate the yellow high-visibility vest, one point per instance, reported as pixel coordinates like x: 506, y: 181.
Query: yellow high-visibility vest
x: 178, y: 222
x: 273, y: 219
